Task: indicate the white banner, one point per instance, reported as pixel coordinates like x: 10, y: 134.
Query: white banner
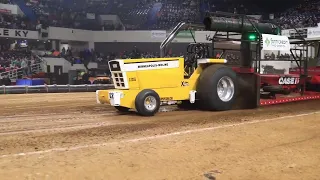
x: 204, y: 36
x: 34, y: 1
x: 257, y: 17
x: 9, y: 9
x: 17, y: 33
x: 271, y: 16
x: 151, y: 65
x: 275, y: 43
x: 158, y: 34
x: 91, y: 16
x: 313, y: 32
x: 285, y: 32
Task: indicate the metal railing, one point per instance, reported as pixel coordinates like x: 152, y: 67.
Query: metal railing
x: 18, y: 73
x: 34, y: 69
x: 53, y: 88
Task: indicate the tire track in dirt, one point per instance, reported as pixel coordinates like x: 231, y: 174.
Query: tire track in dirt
x: 61, y: 129
x: 30, y: 125
x: 136, y: 126
x: 43, y: 117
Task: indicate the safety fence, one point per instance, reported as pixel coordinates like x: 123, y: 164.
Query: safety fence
x: 39, y: 66
x: 53, y: 88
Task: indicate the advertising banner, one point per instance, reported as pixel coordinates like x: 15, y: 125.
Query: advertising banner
x: 313, y: 32
x: 158, y: 34
x: 5, y: 11
x: 275, y: 43
x: 9, y: 9
x: 17, y: 33
x: 185, y: 34
x: 91, y: 16
x: 204, y: 36
x: 285, y: 32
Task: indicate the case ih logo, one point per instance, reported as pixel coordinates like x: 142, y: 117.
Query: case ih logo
x: 289, y: 80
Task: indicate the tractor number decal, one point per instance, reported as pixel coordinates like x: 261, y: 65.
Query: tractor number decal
x: 184, y: 83
x: 289, y: 80
x: 166, y: 98
x: 132, y: 79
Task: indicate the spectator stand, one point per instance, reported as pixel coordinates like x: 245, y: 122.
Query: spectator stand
x: 148, y: 14
x: 28, y: 69
x: 15, y: 21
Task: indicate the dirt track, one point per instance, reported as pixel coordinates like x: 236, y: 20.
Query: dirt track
x: 69, y: 136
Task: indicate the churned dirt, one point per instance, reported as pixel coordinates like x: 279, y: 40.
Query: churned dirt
x: 69, y: 136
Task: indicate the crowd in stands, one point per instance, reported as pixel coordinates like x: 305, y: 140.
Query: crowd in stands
x: 306, y: 14
x: 69, y: 15
x: 174, y: 11
x: 144, y: 14
x: 13, y: 59
x: 5, y: 2
x: 85, y: 56
x: 74, y: 57
x: 16, y: 22
x: 134, y: 15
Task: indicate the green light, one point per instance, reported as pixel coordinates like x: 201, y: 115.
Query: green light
x: 278, y: 31
x: 252, y: 37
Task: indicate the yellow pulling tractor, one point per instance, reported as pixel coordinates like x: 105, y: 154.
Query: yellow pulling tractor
x: 201, y: 81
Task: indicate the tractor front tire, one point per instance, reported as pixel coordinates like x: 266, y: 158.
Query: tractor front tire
x: 147, y: 102
x: 217, y: 88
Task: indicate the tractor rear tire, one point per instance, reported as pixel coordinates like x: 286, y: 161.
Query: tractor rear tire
x: 122, y: 109
x: 147, y: 102
x: 217, y: 88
